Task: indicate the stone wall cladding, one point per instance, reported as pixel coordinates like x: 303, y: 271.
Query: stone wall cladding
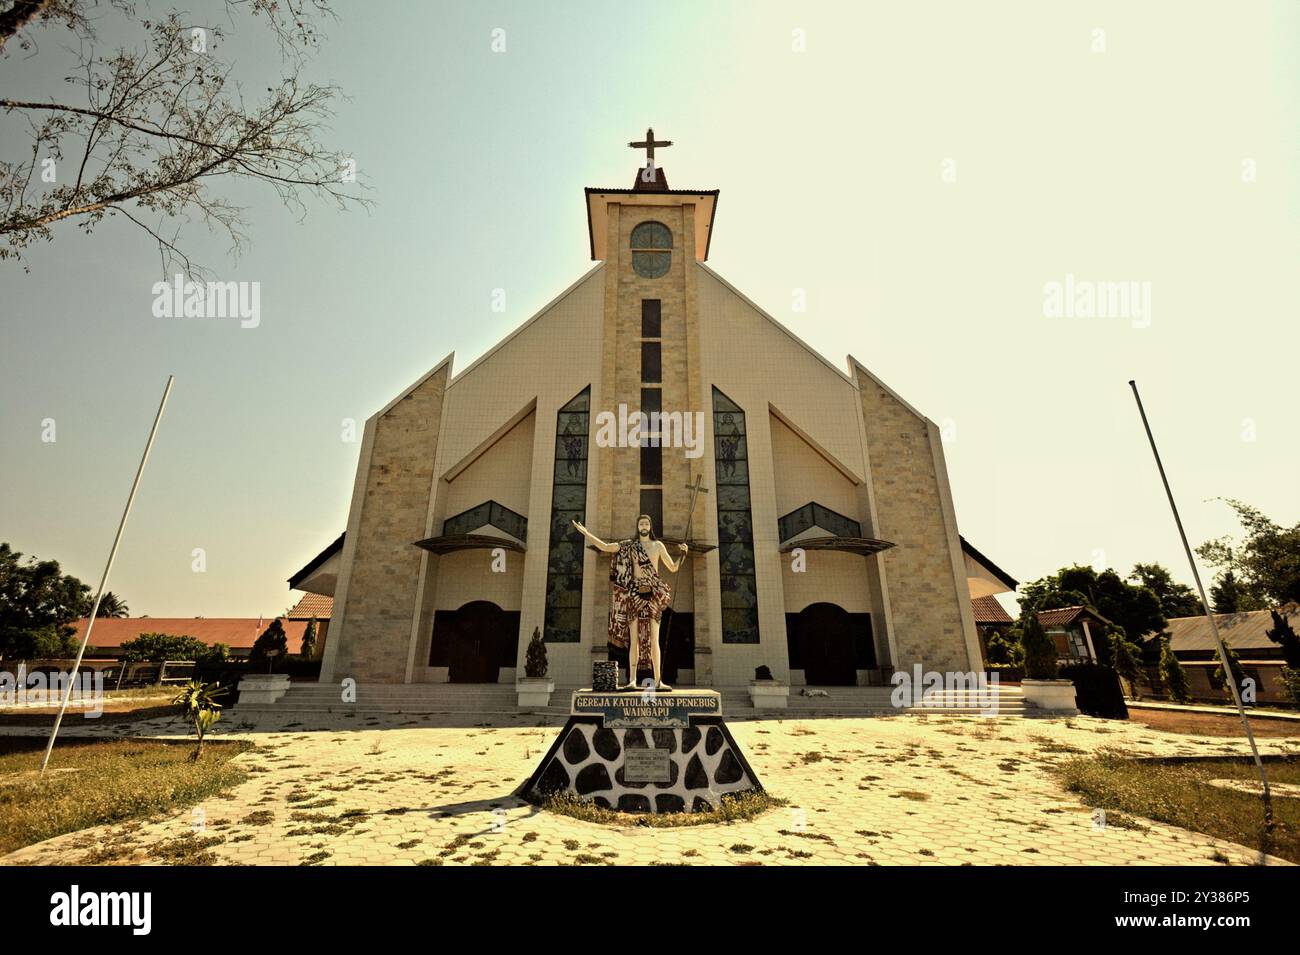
x: 376, y: 633
x: 588, y: 762
x: 922, y: 591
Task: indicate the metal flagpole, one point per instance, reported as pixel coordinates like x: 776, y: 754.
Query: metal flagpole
x: 1205, y: 604
x: 103, y: 582
x: 686, y: 537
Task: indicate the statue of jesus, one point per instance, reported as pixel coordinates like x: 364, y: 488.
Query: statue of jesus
x: 639, y: 595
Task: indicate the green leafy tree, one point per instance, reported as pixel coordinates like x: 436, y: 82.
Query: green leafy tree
x: 198, y: 705
x: 535, y: 664
x: 1267, y: 562
x: 1172, y: 673
x: 1176, y: 600
x: 1040, y: 651
x: 272, y: 642
x: 1134, y: 607
x: 1230, y: 595
x: 39, y: 607
x: 309, y: 640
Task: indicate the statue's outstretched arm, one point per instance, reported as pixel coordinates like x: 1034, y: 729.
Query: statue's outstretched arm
x: 599, y: 544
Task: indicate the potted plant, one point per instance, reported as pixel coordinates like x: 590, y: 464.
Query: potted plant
x: 766, y: 692
x: 1042, y: 690
x: 534, y: 688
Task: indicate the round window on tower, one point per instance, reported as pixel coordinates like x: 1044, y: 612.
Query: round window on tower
x: 652, y: 245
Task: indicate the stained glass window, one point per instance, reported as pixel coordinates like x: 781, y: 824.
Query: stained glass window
x: 798, y: 521
x: 568, y: 504
x: 735, y: 524
x: 652, y: 245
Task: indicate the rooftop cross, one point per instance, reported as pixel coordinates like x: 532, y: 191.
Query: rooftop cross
x: 649, y: 144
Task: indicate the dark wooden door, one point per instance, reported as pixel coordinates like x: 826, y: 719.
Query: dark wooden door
x: 826, y: 638
x: 478, y: 630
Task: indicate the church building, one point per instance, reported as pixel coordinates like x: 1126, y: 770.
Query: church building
x: 823, y: 543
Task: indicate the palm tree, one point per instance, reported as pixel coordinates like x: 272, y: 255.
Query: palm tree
x: 111, y: 605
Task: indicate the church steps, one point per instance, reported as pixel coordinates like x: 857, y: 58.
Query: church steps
x: 500, y: 699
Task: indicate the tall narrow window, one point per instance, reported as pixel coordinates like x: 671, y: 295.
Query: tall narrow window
x: 652, y: 245
x: 568, y: 504
x: 652, y: 505
x: 650, y: 363
x: 735, y: 523
x: 650, y: 318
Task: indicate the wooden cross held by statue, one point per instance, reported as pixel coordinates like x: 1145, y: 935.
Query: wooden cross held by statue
x: 686, y: 537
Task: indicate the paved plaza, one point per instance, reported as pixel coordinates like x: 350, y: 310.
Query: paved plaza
x: 906, y: 790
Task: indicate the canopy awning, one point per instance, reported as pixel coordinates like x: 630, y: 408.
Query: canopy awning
x: 852, y: 545
x: 447, y: 543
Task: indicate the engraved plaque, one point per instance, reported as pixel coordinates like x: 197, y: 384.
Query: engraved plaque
x: 647, y: 766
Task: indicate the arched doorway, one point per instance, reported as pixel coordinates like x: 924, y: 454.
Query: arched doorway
x: 474, y: 641
x: 824, y: 642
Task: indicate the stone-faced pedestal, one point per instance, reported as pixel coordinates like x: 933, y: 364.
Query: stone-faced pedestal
x: 640, y: 751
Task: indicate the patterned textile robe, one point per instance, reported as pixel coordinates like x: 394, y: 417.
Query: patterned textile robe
x: 626, y: 604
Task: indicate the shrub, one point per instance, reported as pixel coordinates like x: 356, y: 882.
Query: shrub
x: 198, y: 705
x: 1097, y: 690
x: 1291, y: 681
x: 1125, y: 657
x: 1172, y: 673
x: 309, y: 640
x: 535, y: 664
x: 157, y: 647
x: 1220, y: 679
x: 1040, y: 651
x: 1003, y: 651
x: 273, y: 642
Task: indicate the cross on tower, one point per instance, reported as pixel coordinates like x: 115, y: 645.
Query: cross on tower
x: 649, y: 144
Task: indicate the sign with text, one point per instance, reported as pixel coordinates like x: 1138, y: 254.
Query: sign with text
x: 651, y: 710
x: 647, y: 766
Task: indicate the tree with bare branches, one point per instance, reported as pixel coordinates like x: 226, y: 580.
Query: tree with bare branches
x: 153, y: 132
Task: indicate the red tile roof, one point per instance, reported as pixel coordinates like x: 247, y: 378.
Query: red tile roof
x: 312, y: 605
x: 1064, y: 616
x: 238, y: 633
x: 988, y: 610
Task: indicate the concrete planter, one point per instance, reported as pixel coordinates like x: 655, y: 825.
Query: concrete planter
x: 534, y: 691
x: 263, y: 687
x: 769, y: 694
x: 1050, y: 697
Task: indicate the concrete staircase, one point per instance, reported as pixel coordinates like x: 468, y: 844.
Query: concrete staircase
x: 498, y: 699
x: 467, y: 699
x: 875, y: 701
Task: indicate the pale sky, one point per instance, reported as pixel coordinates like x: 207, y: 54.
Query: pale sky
x: 1124, y: 165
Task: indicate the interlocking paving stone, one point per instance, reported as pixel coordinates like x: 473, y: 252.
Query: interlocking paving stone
x: 900, y: 790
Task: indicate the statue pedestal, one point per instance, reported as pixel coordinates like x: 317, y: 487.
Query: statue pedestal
x: 642, y: 751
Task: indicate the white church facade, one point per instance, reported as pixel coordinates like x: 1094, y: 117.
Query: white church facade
x: 824, y: 544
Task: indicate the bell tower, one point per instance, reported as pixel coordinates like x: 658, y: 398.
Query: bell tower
x: 650, y: 238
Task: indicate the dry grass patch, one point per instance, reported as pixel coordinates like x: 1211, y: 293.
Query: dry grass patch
x: 93, y: 782
x: 1178, y: 792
